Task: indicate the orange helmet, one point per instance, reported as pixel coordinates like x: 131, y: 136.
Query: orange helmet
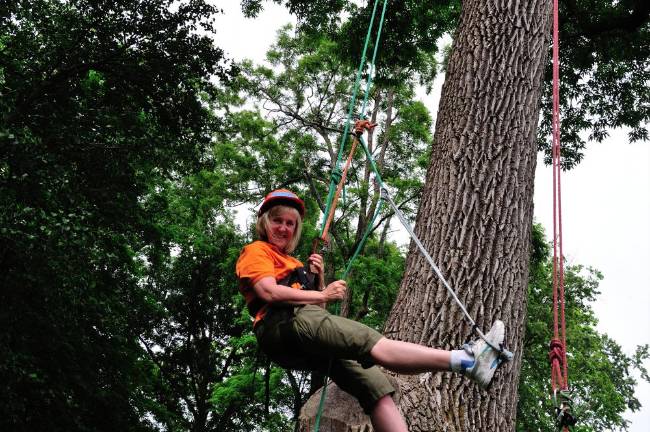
x: 283, y: 197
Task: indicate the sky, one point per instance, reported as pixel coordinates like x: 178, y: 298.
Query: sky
x: 605, y: 204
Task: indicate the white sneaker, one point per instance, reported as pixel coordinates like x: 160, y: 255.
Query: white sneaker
x: 486, y: 359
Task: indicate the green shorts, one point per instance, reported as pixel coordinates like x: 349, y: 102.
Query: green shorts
x: 305, y: 337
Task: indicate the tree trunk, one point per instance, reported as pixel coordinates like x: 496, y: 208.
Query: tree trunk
x: 341, y: 412
x: 476, y: 212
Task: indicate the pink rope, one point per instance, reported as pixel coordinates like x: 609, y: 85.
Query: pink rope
x: 557, y: 354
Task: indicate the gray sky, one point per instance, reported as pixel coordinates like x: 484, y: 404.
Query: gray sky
x: 605, y: 204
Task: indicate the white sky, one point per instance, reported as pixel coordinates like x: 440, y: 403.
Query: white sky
x: 606, y: 204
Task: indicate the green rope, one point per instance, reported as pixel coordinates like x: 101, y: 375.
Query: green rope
x: 374, y: 57
x: 378, y: 179
x: 371, y: 72
x: 337, y: 175
x: 336, y: 172
x: 357, y: 84
x: 369, y: 229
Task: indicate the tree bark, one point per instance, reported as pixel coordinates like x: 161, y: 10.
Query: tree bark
x: 476, y: 212
x: 341, y: 412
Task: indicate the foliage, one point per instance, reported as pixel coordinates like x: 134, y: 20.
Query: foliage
x: 374, y: 282
x: 600, y: 373
x: 603, y: 58
x: 100, y: 100
x: 409, y: 41
x: 410, y: 32
x: 119, y: 306
x: 256, y: 158
x: 604, y: 74
x: 317, y: 15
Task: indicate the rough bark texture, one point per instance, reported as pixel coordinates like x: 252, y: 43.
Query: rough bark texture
x: 476, y: 212
x: 341, y: 412
x: 334, y: 419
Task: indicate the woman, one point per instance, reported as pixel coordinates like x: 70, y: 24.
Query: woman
x: 296, y: 332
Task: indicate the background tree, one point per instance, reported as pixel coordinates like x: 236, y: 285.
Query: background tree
x: 600, y: 373
x: 308, y: 89
x: 100, y: 101
x: 604, y: 51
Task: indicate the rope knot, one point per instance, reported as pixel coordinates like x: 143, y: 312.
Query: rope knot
x: 337, y: 175
x: 556, y: 351
x: 362, y: 125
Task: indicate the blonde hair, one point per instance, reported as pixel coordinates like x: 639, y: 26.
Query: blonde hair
x: 264, y: 221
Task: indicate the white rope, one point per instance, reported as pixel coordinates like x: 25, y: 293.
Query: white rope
x: 503, y: 353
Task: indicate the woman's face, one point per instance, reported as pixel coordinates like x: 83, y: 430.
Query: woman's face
x: 282, y: 228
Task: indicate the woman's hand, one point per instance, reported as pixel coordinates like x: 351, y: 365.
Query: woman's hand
x: 316, y: 264
x: 335, y: 291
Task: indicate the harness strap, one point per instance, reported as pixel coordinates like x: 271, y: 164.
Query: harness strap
x: 298, y: 275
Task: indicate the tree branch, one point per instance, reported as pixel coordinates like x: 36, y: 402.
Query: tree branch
x: 625, y: 21
x: 172, y: 382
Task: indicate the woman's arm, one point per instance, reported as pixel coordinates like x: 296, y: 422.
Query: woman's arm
x: 268, y: 290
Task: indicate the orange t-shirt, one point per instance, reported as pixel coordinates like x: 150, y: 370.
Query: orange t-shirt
x: 258, y: 260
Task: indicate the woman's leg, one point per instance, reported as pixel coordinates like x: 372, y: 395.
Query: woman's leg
x: 385, y: 416
x: 477, y: 360
x: 409, y: 358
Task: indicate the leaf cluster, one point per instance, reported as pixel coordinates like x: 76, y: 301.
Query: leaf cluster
x: 603, y: 68
x: 604, y: 75
x: 101, y: 101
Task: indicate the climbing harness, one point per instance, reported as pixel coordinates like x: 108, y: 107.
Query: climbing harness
x: 564, y: 416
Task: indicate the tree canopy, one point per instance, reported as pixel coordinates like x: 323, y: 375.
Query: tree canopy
x: 604, y: 47
x: 604, y: 51
x: 100, y: 101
